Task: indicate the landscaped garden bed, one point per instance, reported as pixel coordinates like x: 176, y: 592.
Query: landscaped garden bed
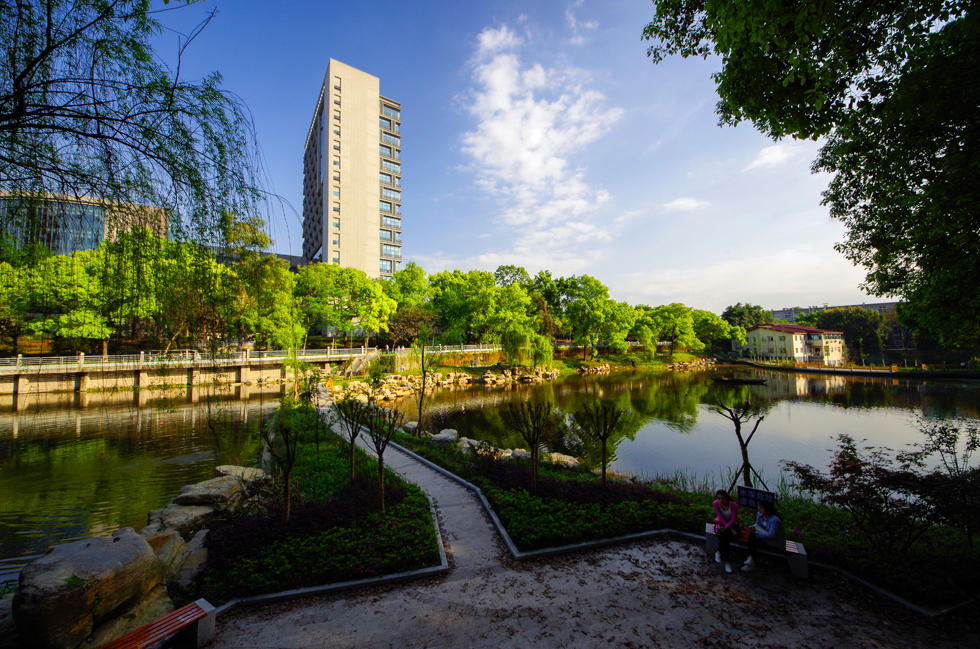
x: 336, y: 531
x: 570, y: 505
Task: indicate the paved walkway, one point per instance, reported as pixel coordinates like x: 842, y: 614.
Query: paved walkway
x: 650, y: 594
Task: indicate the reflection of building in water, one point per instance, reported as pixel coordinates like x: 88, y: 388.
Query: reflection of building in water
x: 785, y: 385
x: 795, y: 343
x: 67, y: 224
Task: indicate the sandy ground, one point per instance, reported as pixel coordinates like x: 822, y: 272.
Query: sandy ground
x: 659, y: 593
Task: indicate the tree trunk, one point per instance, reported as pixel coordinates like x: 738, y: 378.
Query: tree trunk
x: 288, y: 496
x: 744, y: 448
x: 381, y: 481
x: 352, y: 460
x: 604, y: 463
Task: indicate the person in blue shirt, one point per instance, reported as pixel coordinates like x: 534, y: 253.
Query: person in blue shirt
x: 768, y: 530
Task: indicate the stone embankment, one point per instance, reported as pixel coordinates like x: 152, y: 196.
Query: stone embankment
x: 397, y: 386
x: 602, y: 368
x: 467, y: 446
x: 85, y: 593
x: 690, y: 366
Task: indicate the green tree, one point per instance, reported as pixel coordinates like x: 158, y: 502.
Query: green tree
x: 884, y: 84
x: 586, y: 306
x: 507, y: 274
x: 709, y: 328
x: 409, y: 286
x: 746, y: 315
x: 675, y: 324
x: 87, y: 108
x: 863, y: 328
x: 536, y: 423
x: 620, y: 318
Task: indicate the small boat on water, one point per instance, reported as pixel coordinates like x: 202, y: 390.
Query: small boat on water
x: 731, y: 380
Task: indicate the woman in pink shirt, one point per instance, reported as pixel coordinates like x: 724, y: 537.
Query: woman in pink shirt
x: 726, y: 526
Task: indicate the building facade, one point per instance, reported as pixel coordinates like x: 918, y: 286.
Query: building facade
x: 794, y: 343
x: 352, y: 173
x: 790, y: 314
x: 67, y: 224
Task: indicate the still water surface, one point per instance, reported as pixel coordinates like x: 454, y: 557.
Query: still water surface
x: 69, y: 470
x: 673, y: 428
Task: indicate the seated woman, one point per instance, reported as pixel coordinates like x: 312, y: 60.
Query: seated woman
x: 768, y: 530
x: 726, y: 526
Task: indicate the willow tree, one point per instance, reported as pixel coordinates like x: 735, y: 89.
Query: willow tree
x: 89, y: 109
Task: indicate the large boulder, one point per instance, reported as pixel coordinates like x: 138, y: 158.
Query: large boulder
x: 223, y: 492
x: 152, y: 607
x: 64, y: 594
x: 243, y: 473
x: 561, y: 458
x: 169, y: 547
x: 186, y: 519
x: 9, y: 638
x: 446, y: 436
x: 195, y: 559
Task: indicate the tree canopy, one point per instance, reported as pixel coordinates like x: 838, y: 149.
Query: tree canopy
x: 87, y: 108
x: 892, y: 87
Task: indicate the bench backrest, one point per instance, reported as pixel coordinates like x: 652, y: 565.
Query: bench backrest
x: 749, y: 497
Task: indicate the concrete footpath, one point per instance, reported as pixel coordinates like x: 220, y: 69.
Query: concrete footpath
x: 652, y: 594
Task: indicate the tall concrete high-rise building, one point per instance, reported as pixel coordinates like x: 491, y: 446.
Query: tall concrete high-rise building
x: 352, y: 173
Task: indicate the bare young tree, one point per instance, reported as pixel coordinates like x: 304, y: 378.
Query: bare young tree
x: 421, y: 389
x: 282, y: 440
x: 535, y: 421
x: 740, y: 413
x: 600, y: 421
x: 352, y: 415
x: 381, y: 425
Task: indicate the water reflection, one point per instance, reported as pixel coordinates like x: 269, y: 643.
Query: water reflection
x: 69, y: 471
x: 672, y: 427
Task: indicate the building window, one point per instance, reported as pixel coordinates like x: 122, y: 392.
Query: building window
x: 384, y: 123
x: 388, y: 138
x: 391, y: 222
x: 387, y: 165
x: 336, y: 223
x: 386, y: 266
x: 336, y: 260
x: 385, y: 206
x: 385, y: 178
x: 385, y: 150
x: 386, y: 235
x: 336, y: 207
x: 393, y: 194
x: 389, y: 250
x: 336, y: 194
x: 336, y: 162
x: 388, y: 111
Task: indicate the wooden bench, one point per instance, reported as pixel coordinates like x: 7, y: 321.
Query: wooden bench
x: 795, y: 552
x: 194, y: 623
x: 749, y: 498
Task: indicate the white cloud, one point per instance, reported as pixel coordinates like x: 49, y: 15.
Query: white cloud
x: 685, y: 204
x: 776, y: 155
x: 530, y: 120
x: 576, y: 26
x: 493, y: 40
x: 798, y: 275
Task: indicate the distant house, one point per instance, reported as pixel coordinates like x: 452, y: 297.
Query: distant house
x: 794, y: 343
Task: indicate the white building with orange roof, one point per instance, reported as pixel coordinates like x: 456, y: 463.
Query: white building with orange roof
x: 794, y: 343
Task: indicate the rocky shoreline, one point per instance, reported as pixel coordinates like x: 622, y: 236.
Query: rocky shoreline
x: 85, y: 593
x: 398, y: 386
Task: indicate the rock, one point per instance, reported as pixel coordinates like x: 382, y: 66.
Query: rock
x: 169, y: 548
x: 75, y: 586
x: 445, y: 436
x: 519, y: 454
x: 152, y: 607
x: 186, y: 519
x: 411, y: 427
x: 245, y: 473
x: 196, y: 557
x: 9, y: 638
x: 223, y: 492
x: 561, y: 458
x: 466, y: 445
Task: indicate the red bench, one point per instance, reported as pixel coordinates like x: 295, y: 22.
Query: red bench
x: 194, y: 622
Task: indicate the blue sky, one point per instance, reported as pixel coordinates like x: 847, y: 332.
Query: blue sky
x: 540, y: 134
